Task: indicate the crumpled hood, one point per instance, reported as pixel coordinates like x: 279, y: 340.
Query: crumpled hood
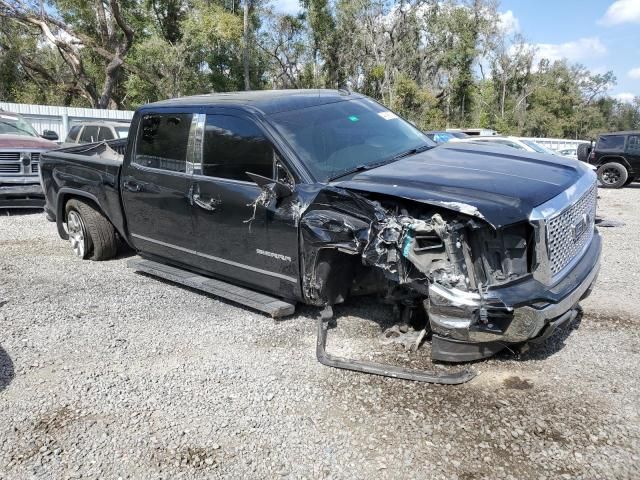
x: 24, y: 141
x: 487, y: 182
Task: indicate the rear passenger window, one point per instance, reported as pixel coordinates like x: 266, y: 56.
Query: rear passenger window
x: 162, y: 141
x: 89, y: 135
x: 611, y: 142
x: 633, y: 144
x: 72, y: 136
x: 105, y: 134
x: 233, y: 146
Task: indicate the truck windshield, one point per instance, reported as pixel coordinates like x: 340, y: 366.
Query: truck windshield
x: 338, y: 138
x: 10, y: 125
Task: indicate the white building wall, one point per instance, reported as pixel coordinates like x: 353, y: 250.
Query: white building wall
x: 61, y: 119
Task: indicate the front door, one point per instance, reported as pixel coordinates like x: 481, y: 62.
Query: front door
x: 238, y: 237
x: 633, y: 154
x: 155, y: 188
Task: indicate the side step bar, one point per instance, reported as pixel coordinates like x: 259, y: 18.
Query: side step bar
x: 272, y: 306
x: 381, y: 369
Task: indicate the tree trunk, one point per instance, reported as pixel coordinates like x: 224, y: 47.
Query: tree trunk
x: 245, y: 45
x: 502, y: 97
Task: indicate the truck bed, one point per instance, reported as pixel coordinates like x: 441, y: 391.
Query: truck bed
x: 91, y: 172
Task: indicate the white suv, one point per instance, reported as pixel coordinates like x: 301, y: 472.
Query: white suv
x: 514, y: 142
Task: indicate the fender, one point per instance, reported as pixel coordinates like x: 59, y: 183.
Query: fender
x: 616, y: 159
x: 69, y: 192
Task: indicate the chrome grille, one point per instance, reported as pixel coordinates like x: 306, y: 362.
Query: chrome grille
x: 10, y: 168
x: 9, y: 156
x: 571, y: 230
x: 34, y: 168
x: 35, y: 156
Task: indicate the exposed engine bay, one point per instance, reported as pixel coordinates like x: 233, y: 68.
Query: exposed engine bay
x: 409, y: 253
x: 403, y: 249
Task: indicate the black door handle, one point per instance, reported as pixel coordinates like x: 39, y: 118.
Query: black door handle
x: 132, y: 186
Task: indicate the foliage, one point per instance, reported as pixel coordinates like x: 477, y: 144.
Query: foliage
x: 439, y: 63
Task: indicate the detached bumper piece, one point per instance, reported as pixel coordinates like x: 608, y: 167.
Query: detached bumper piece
x: 382, y: 369
x: 21, y: 196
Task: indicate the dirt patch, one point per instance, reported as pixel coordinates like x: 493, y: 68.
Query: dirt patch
x: 188, y: 457
x: 55, y: 421
x: 611, y: 320
x: 517, y: 383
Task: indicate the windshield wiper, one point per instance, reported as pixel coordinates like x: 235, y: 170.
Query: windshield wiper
x: 369, y: 166
x: 410, y: 152
x: 348, y: 171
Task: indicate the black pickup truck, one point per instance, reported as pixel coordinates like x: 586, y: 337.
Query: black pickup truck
x: 276, y: 197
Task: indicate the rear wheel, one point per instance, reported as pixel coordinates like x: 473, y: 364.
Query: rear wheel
x: 613, y: 175
x: 91, y: 235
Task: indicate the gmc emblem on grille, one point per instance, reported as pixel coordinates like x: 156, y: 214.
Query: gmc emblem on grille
x: 578, y: 228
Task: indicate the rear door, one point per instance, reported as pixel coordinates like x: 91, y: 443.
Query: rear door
x: 155, y: 187
x: 236, y: 236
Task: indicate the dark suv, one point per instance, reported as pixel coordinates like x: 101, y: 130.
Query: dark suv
x: 617, y: 157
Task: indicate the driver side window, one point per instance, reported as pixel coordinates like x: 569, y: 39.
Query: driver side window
x: 234, y: 146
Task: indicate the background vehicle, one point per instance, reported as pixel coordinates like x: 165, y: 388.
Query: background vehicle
x: 315, y: 196
x: 20, y: 150
x: 616, y: 155
x: 440, y: 136
x: 96, y: 131
x: 526, y: 145
x: 569, y: 152
x: 474, y: 132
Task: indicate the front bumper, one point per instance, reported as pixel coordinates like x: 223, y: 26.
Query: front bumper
x: 21, y: 195
x: 515, y: 313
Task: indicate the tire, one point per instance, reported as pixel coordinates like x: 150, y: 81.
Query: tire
x: 629, y: 181
x: 91, y: 235
x: 584, y: 149
x: 612, y: 175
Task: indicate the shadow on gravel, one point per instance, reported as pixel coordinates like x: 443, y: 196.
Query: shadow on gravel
x: 551, y: 346
x: 124, y: 251
x: 13, y: 212
x: 6, y: 369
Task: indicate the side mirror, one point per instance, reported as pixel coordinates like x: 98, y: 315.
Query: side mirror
x: 279, y: 189
x: 49, y: 135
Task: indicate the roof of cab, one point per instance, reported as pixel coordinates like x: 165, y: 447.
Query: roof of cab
x: 265, y: 101
x: 626, y: 132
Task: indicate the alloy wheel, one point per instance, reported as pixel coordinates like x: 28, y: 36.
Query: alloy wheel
x: 610, y: 176
x: 75, y: 229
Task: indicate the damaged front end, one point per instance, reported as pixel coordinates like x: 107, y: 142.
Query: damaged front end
x: 475, y: 283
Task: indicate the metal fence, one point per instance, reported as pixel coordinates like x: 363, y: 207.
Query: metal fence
x: 61, y: 119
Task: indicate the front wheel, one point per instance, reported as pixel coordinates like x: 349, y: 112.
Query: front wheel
x: 91, y: 235
x: 613, y: 175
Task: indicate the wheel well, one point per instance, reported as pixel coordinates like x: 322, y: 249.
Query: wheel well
x: 61, y: 217
x: 619, y: 160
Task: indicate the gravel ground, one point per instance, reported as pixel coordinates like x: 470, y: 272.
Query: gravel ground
x: 107, y: 373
